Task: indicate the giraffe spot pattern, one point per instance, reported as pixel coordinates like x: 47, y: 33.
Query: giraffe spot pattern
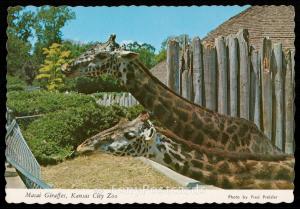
x: 224, y: 168
x: 224, y: 139
x: 167, y: 159
x: 197, y: 175
x: 197, y: 164
x: 175, y: 155
x: 226, y: 183
x: 199, y: 138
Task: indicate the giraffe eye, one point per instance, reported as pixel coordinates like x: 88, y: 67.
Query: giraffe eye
x: 129, y: 135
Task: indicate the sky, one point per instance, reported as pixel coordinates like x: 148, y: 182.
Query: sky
x: 150, y: 25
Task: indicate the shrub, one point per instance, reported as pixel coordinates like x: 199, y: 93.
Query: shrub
x: 133, y: 112
x: 104, y: 83
x: 15, y: 83
x: 56, y: 134
x: 39, y: 102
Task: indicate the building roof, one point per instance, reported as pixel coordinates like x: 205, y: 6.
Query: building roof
x: 160, y: 71
x: 275, y: 22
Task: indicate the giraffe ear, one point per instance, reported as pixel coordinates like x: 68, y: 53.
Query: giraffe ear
x: 123, y: 120
x: 129, y: 54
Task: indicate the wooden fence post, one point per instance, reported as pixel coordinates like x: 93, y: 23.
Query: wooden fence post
x: 293, y: 80
x: 186, y: 79
x: 289, y: 103
x: 278, y: 117
x: 222, y: 75
x: 104, y: 98
x: 244, y: 72
x: 255, y: 110
x: 190, y: 86
x: 130, y: 100
x: 117, y: 99
x: 173, y: 66
x: 209, y: 72
x: 122, y: 100
x: 197, y: 71
x: 185, y: 84
x: 126, y: 100
x: 109, y: 99
x: 232, y: 44
x: 266, y: 84
x: 189, y: 61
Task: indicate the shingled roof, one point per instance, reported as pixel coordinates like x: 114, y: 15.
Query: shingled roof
x: 276, y: 22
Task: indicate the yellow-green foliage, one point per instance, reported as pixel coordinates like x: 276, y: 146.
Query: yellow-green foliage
x: 50, y: 72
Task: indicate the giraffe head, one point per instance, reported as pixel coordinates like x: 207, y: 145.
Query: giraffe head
x: 107, y: 58
x: 132, y: 138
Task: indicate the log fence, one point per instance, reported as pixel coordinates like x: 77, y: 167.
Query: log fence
x: 235, y: 79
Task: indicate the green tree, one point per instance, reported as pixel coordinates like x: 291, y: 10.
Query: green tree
x: 146, y: 53
x: 49, y: 22
x: 161, y: 56
x: 18, y: 54
x: 182, y: 39
x: 19, y: 30
x: 76, y: 48
x: 20, y: 22
x: 50, y: 72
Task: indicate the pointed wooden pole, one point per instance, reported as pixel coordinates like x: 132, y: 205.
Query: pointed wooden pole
x: 278, y: 113
x: 210, y: 77
x: 266, y: 84
x: 222, y: 75
x: 173, y: 66
x: 289, y: 105
x: 244, y: 72
x: 197, y: 71
x: 232, y: 44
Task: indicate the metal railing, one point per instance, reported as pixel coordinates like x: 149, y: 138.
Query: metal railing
x: 19, y: 155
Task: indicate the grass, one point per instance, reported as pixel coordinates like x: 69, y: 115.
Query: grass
x: 104, y: 171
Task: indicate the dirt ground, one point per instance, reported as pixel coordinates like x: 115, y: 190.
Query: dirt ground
x: 104, y: 171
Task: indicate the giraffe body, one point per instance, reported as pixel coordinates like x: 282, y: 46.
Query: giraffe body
x: 188, y: 120
x: 217, y: 141
x: 226, y: 170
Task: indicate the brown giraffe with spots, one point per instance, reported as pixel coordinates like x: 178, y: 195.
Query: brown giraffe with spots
x: 198, y: 125
x: 228, y: 170
x: 188, y: 120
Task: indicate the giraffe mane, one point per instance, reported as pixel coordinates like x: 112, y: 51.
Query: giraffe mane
x: 224, y: 153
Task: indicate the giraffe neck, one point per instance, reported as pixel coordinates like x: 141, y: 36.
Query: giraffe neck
x: 225, y: 171
x: 193, y: 122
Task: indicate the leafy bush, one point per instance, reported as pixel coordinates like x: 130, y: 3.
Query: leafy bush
x: 54, y: 136
x: 14, y: 83
x: 68, y: 120
x: 133, y: 112
x: 39, y: 102
x: 104, y: 83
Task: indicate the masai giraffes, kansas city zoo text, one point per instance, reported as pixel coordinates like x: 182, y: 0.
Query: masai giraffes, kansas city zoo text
x: 196, y: 125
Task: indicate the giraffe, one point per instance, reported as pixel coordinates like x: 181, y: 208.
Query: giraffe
x: 227, y: 170
x: 187, y: 120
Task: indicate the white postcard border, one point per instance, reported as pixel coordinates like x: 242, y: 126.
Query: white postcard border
x: 104, y: 196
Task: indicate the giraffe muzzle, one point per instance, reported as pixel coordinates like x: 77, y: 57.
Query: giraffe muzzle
x: 81, y: 150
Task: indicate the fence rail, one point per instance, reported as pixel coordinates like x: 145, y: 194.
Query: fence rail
x: 122, y: 99
x: 20, y: 156
x: 235, y: 79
